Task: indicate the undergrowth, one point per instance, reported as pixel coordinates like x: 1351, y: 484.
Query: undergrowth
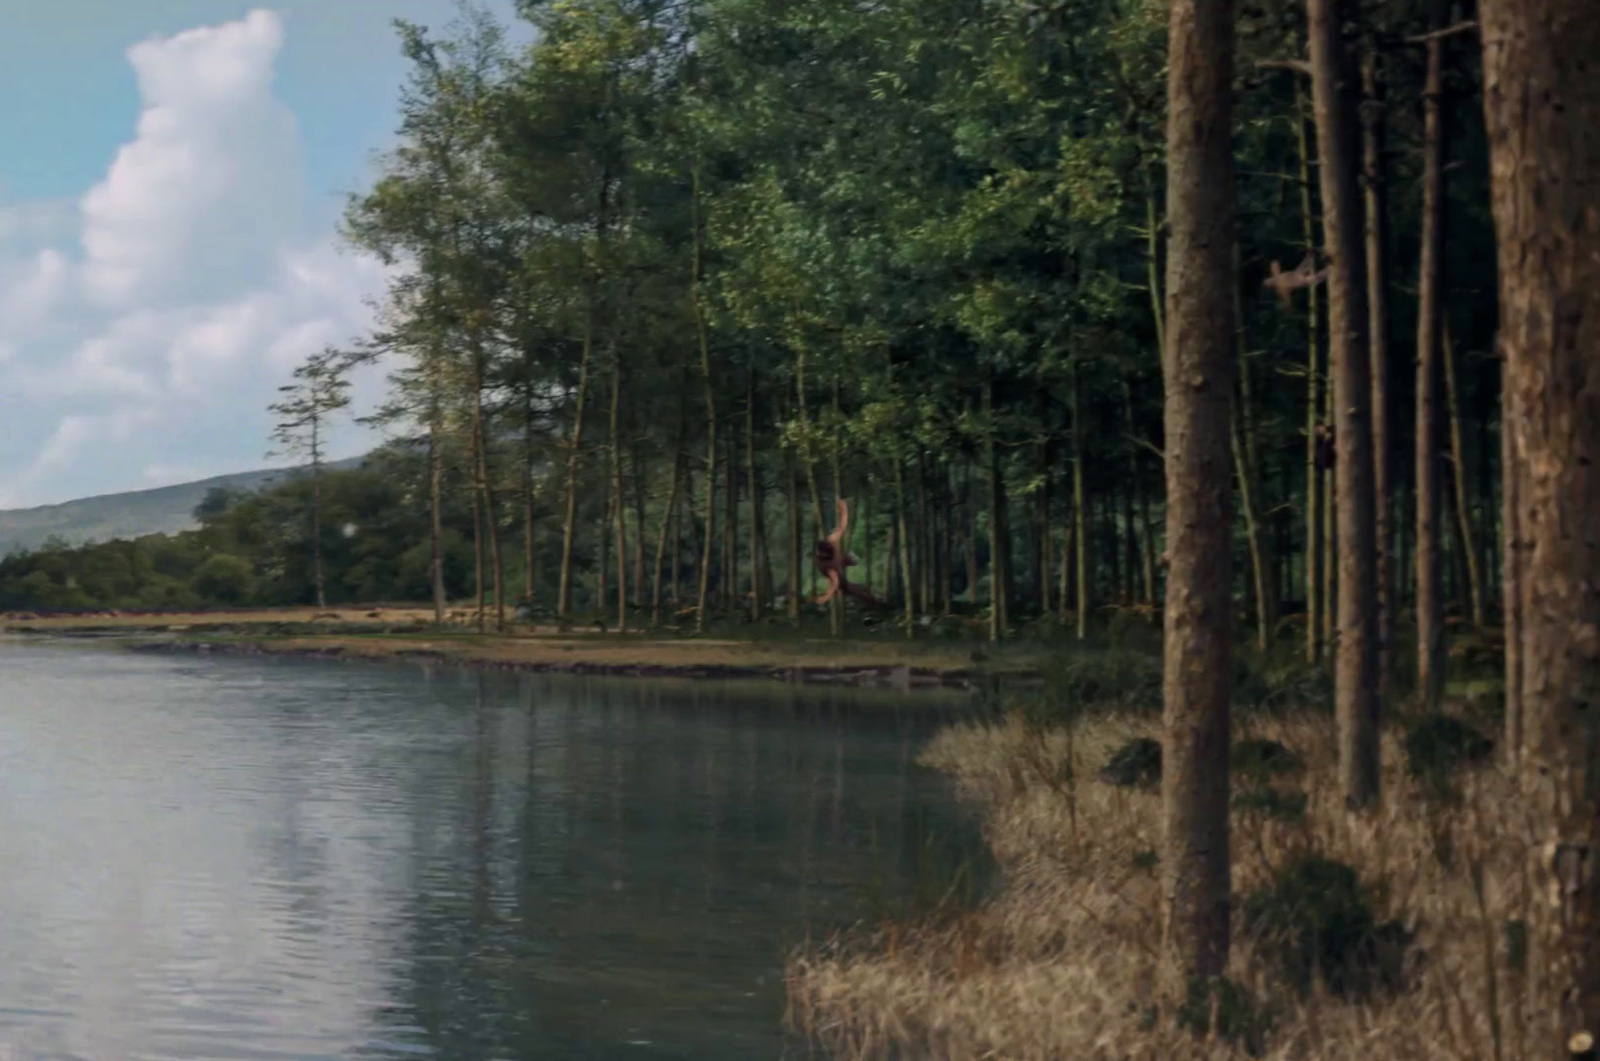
x: 1391, y: 935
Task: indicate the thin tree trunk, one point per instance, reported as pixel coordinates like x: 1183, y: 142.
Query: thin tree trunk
x: 969, y: 507
x: 1542, y: 108
x: 316, y: 511
x: 477, y: 543
x: 997, y: 572
x: 1244, y: 467
x: 753, y: 474
x: 1373, y: 143
x: 1198, y: 366
x: 436, y: 513
x: 1315, y: 627
x: 702, y: 334
x: 620, y: 504
x: 491, y: 522
x: 1147, y: 556
x: 529, y: 455
x: 668, y: 520
x: 1356, y: 667
x: 1430, y: 288
x: 794, y: 535
x: 1469, y: 545
x: 1512, y: 554
x: 901, y: 540
x: 569, y: 520
x: 1080, y: 526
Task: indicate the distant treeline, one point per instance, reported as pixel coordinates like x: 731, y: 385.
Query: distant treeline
x: 254, y: 548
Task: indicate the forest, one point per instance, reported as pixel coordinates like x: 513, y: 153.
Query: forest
x: 677, y: 276
x: 1270, y: 326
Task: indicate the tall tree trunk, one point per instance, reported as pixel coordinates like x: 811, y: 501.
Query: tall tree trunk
x: 1356, y: 666
x: 1542, y: 105
x: 491, y: 521
x: 753, y: 474
x: 1198, y: 366
x: 702, y: 335
x: 1430, y: 317
x: 1373, y: 144
x: 436, y: 511
x: 901, y: 551
x: 602, y: 581
x: 1147, y: 554
x: 1245, y: 468
x: 969, y: 505
x: 1512, y: 553
x: 569, y: 519
x: 1469, y: 545
x: 668, y: 520
x: 998, y: 590
x: 477, y: 543
x: 793, y: 482
x: 620, y: 504
x: 316, y: 512
x: 730, y: 538
x: 1315, y: 628
x: 529, y: 460
x: 1080, y: 517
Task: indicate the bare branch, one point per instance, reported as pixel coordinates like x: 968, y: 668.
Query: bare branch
x: 1299, y: 66
x: 1468, y: 26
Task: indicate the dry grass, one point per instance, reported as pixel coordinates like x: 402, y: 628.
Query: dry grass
x: 1064, y: 960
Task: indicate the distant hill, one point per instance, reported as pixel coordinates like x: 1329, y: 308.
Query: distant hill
x: 164, y: 510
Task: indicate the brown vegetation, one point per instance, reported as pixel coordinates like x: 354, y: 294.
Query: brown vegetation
x: 1065, y: 959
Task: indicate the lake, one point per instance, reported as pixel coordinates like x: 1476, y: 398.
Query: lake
x: 256, y: 858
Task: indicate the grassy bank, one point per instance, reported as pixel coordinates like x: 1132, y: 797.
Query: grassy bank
x: 1385, y: 937
x: 777, y: 651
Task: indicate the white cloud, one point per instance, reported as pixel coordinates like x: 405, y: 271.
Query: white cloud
x: 197, y: 289
x: 204, y: 191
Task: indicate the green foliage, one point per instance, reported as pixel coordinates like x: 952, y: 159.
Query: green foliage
x: 1259, y: 759
x: 1227, y: 1009
x: 1137, y: 764
x: 1316, y: 920
x: 1437, y: 746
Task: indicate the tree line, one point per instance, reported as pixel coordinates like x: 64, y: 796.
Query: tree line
x: 1540, y: 103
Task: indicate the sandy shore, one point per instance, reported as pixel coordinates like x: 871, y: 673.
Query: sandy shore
x: 405, y: 634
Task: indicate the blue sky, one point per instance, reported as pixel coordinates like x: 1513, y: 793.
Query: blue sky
x: 171, y: 172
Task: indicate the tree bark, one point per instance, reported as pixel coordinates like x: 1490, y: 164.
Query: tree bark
x: 1246, y: 469
x: 316, y: 509
x: 436, y: 511
x: 703, y: 337
x: 1356, y: 661
x: 998, y: 590
x: 1430, y: 289
x: 1198, y: 367
x: 619, y: 504
x: 1469, y: 544
x: 1315, y: 630
x: 569, y: 520
x: 753, y: 474
x: 1542, y: 110
x: 1080, y: 520
x: 1373, y: 145
x: 794, y: 535
x: 668, y: 519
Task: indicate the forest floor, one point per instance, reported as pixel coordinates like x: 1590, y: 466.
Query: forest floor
x: 880, y: 657
x: 1397, y: 933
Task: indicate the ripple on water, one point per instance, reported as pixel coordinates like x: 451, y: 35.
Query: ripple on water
x: 252, y: 859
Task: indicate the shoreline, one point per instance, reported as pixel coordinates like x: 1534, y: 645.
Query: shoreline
x: 399, y: 637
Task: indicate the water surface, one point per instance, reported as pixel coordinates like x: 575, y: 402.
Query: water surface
x: 246, y: 858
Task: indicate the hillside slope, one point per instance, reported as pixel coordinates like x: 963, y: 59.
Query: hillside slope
x: 163, y: 510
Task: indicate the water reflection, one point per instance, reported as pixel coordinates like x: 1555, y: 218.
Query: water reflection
x: 252, y: 859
